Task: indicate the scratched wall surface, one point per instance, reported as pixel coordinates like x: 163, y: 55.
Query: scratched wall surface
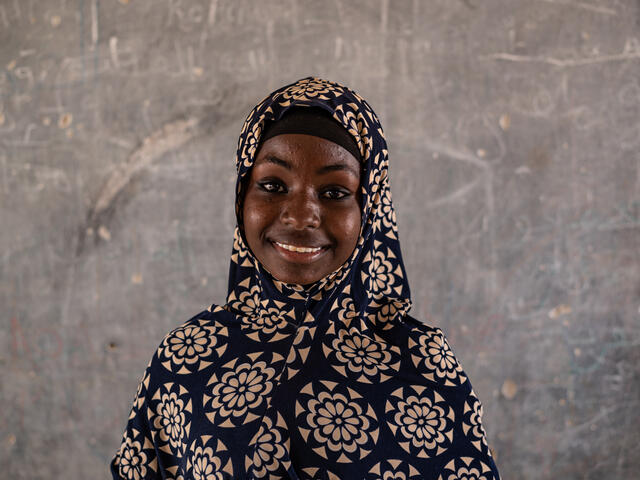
x: 514, y: 131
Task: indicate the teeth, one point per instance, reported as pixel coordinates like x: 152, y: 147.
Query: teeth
x: 293, y: 248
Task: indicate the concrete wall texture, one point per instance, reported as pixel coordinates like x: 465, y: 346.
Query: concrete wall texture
x: 513, y: 131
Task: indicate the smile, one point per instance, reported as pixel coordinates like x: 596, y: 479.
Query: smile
x: 293, y: 248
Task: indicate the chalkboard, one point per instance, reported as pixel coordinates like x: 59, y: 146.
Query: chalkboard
x: 513, y: 131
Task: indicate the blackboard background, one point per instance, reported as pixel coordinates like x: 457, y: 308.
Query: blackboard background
x: 514, y: 131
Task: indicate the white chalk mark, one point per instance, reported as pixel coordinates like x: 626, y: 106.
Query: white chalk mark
x: 469, y: 231
x: 69, y: 287
x: 94, y: 24
x: 121, y: 142
x: 170, y: 137
x: 339, y: 10
x: 5, y: 183
x: 456, y: 194
x: 145, y: 115
x: 491, y: 213
x: 191, y: 62
x: 585, y: 6
x: 3, y: 17
x: 113, y: 49
x: 16, y: 8
x: 415, y: 12
x: 384, y: 16
x: 179, y: 57
x: 404, y: 64
x: 637, y: 188
x: 213, y: 7
x: 4, y: 126
x: 456, y: 154
x: 497, y: 135
x: 32, y: 143
x: 252, y: 60
x: 618, y: 227
x: 338, y: 48
x: 204, y: 35
x: 487, y: 180
x: 569, y: 62
x: 27, y: 133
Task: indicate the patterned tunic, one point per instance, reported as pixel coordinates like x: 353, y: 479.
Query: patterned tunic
x: 330, y: 381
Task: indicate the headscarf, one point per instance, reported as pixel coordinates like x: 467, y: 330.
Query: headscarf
x: 371, y: 285
x: 313, y: 121
x: 324, y: 381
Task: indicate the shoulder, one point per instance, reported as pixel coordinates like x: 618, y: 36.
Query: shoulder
x: 432, y: 355
x: 415, y: 324
x: 420, y: 332
x: 196, y: 343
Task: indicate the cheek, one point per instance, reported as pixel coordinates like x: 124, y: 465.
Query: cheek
x: 348, y: 230
x: 253, y: 218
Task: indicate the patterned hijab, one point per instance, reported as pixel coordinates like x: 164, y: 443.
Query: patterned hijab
x: 332, y: 380
x: 371, y: 285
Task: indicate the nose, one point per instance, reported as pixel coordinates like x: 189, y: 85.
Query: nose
x: 301, y: 211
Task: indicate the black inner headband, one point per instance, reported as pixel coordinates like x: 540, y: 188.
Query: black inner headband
x: 312, y: 121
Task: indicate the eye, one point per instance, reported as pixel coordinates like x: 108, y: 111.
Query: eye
x: 336, y: 193
x: 271, y: 186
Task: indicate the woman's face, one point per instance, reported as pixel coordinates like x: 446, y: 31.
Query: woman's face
x: 301, y: 207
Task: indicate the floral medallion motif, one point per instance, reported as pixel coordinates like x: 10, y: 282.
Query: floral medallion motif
x: 467, y: 468
x: 251, y: 142
x: 383, y: 274
x: 433, y: 357
x: 245, y: 299
x: 193, y: 346
x: 241, y: 252
x: 353, y: 120
x: 386, y: 211
x: 169, y: 413
x: 472, y: 424
x: 336, y: 422
x: 309, y: 89
x: 393, y: 470
x: 209, y: 459
x: 237, y: 393
x: 136, y: 457
x: 270, y: 447
x: 382, y: 315
x: 271, y: 323
x: 346, y: 309
x: 355, y: 355
x: 421, y: 420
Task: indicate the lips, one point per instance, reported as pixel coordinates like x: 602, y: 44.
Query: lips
x: 294, y: 248
x: 298, y: 252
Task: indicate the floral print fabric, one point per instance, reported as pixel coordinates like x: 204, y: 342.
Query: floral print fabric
x: 329, y: 381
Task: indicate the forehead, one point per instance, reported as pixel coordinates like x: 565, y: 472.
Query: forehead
x: 300, y: 151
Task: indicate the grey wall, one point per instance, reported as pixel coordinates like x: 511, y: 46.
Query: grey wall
x: 514, y: 131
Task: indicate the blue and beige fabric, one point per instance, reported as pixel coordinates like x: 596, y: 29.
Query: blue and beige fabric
x: 327, y: 381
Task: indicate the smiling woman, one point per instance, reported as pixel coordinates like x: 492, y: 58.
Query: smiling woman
x: 313, y: 368
x: 301, y: 207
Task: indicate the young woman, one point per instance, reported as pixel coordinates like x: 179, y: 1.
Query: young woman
x: 313, y: 369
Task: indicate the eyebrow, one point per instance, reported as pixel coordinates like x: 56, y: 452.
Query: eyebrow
x: 326, y: 169
x: 278, y: 161
x: 336, y: 167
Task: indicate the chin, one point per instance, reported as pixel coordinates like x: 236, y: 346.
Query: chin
x: 298, y: 279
